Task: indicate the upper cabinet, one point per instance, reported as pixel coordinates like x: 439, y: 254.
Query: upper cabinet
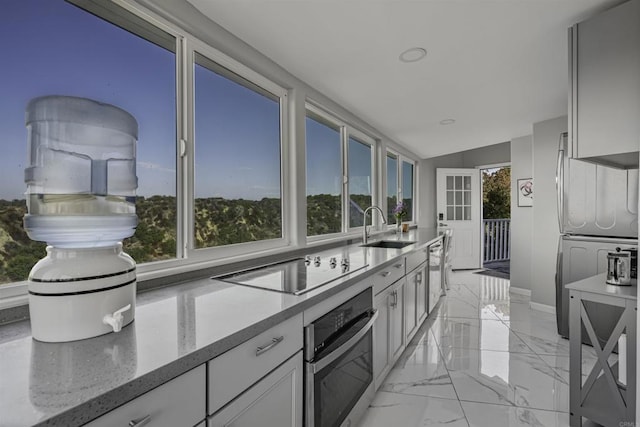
x: 604, y: 104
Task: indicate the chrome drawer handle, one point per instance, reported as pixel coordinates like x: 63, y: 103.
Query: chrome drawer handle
x: 140, y: 421
x: 398, y: 265
x: 274, y: 342
x: 385, y: 273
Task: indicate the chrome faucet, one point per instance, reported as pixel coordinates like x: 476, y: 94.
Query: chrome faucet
x: 365, y: 232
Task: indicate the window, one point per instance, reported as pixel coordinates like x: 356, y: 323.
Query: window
x: 407, y: 189
x: 359, y: 180
x: 324, y: 176
x: 392, y: 186
x: 400, y: 184
x: 58, y: 48
x: 224, y: 194
x: 238, y: 196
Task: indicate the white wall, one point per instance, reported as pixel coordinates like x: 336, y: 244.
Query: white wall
x: 521, y: 217
x: 546, y: 136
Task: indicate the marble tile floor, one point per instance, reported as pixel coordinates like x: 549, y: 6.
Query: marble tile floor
x: 482, y: 358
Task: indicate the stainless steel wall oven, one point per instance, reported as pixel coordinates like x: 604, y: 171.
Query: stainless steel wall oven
x: 339, y: 362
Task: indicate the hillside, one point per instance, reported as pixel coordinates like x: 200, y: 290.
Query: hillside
x: 217, y: 222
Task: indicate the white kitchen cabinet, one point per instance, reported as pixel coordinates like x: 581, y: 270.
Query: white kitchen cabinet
x: 422, y: 293
x: 605, y: 89
x: 179, y: 402
x: 397, y: 339
x: 410, y: 300
x: 415, y: 301
x: 381, y: 356
x: 388, y: 330
x: 275, y: 400
x: 236, y: 370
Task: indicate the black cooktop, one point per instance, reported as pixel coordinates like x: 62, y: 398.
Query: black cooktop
x: 298, y: 275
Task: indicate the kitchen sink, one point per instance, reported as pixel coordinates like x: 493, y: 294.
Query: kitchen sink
x: 388, y: 244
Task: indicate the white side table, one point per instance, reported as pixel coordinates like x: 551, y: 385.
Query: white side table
x: 602, y: 398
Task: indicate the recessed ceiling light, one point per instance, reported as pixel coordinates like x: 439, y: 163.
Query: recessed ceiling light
x: 413, y: 55
x: 447, y: 121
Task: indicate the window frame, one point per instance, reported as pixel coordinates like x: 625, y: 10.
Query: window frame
x: 395, y: 156
x: 193, y: 254
x: 347, y: 131
x: 329, y: 120
x: 400, y: 159
x: 15, y: 294
x: 365, y: 139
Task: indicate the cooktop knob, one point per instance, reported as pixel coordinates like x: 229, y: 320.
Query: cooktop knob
x: 333, y: 262
x: 344, y: 262
x: 307, y: 259
x: 316, y: 261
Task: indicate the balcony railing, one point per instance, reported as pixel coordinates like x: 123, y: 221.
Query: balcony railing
x: 497, y: 239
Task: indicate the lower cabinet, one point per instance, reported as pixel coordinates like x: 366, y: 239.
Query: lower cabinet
x: 396, y: 324
x: 403, y: 307
x: 415, y: 303
x: 410, y: 319
x: 388, y: 330
x: 422, y: 293
x: 275, y: 400
x: 179, y: 402
x: 381, y: 357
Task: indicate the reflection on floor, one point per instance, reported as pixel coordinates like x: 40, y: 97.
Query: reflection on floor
x: 483, y: 358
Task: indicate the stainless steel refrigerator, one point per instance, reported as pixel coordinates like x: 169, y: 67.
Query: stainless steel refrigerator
x: 597, y: 212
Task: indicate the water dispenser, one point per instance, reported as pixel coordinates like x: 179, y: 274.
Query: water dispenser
x: 81, y: 186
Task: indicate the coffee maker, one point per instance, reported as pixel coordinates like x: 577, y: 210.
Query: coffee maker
x: 622, y: 267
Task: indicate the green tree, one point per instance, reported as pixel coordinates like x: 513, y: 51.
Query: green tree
x: 496, y: 193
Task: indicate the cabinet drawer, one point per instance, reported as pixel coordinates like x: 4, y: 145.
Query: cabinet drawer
x: 388, y: 275
x: 275, y: 400
x: 236, y: 370
x: 180, y: 402
x: 414, y: 259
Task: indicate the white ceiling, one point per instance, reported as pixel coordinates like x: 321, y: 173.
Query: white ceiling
x: 496, y: 67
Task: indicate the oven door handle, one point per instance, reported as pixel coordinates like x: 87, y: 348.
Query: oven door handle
x: 325, y: 361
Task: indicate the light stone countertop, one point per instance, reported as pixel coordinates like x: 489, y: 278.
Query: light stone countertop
x: 176, y: 329
x: 598, y: 285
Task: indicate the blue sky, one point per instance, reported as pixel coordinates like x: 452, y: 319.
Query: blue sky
x: 54, y: 48
x: 58, y: 49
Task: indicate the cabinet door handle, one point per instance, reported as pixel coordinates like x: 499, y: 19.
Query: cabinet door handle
x: 274, y: 342
x: 419, y: 278
x: 398, y: 265
x: 140, y: 421
x: 394, y: 300
x: 385, y: 273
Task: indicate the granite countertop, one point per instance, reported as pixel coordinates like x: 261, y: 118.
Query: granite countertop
x: 598, y: 285
x: 176, y: 329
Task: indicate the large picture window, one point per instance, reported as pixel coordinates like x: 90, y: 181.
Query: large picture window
x: 237, y: 159
x: 213, y: 159
x: 324, y: 176
x: 60, y: 49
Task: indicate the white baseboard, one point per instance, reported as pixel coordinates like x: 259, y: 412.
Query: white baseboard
x: 542, y: 307
x: 520, y: 291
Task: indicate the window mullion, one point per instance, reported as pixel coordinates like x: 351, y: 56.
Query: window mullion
x: 185, y: 160
x: 345, y: 178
